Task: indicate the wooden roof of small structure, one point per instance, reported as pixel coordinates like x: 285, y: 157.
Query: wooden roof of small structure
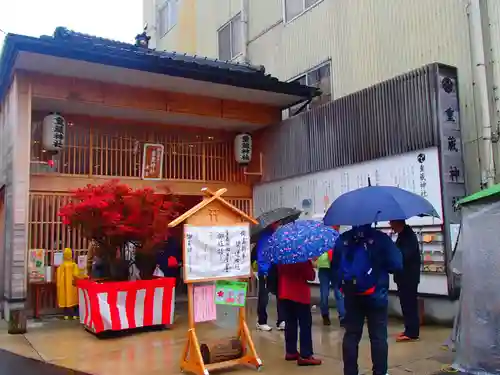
x: 210, y: 197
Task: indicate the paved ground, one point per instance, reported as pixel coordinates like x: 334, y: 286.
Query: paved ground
x: 68, y: 345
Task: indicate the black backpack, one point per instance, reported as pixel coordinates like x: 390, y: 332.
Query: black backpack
x: 272, y: 279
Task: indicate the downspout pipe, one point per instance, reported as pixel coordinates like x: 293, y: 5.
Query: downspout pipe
x: 481, y: 92
x: 244, y: 31
x: 491, y: 27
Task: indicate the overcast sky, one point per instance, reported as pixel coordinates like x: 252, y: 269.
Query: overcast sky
x: 114, y: 19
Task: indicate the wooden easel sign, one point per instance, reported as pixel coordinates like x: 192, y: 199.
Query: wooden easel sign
x: 216, y: 246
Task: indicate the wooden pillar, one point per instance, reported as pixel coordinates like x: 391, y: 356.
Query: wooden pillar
x: 17, y: 143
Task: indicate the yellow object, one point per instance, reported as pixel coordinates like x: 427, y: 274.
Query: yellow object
x: 254, y: 266
x: 67, y: 294
x: 428, y: 238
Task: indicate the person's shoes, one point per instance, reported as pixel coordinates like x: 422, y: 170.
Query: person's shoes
x: 326, y: 320
x: 404, y: 338
x: 281, y: 326
x: 291, y: 357
x: 66, y: 317
x: 311, y: 361
x: 263, y: 327
x: 76, y: 317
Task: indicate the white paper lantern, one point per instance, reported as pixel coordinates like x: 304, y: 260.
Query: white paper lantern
x: 243, y: 148
x: 53, y: 132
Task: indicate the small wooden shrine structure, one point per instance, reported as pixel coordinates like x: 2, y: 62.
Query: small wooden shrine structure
x: 211, y: 214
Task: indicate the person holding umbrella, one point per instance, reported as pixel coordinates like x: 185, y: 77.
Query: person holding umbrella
x: 363, y: 259
x: 263, y: 268
x: 292, y: 247
x: 260, y: 234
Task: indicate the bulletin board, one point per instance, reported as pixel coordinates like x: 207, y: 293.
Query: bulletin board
x: 216, y: 252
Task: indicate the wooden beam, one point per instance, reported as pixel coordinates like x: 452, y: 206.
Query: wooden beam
x: 205, y: 202
x: 116, y: 95
x: 62, y: 183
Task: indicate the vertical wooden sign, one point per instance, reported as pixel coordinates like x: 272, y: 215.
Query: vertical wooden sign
x: 152, y: 161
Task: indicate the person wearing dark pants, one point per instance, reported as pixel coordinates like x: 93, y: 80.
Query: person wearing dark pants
x: 358, y: 309
x: 408, y: 279
x: 408, y: 298
x: 298, y: 315
x: 362, y: 261
x: 263, y: 267
x: 295, y: 295
x: 262, y: 302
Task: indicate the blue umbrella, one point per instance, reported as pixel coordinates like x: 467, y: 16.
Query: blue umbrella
x: 299, y: 241
x: 377, y: 203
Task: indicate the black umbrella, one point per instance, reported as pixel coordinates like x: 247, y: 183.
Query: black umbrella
x: 283, y: 215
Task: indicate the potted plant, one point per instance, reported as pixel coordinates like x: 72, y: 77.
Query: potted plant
x: 125, y: 226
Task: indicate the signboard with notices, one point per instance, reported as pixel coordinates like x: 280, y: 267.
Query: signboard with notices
x: 36, y: 265
x: 216, y: 248
x: 152, y: 162
x: 216, y: 252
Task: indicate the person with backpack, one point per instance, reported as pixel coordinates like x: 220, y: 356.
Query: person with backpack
x: 362, y: 261
x: 265, y: 283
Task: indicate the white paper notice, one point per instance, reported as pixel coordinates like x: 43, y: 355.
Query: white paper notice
x: 219, y: 252
x: 82, y: 262
x: 58, y: 258
x: 454, y: 231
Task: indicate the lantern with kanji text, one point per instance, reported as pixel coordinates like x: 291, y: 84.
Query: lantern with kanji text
x: 243, y: 148
x: 53, y: 132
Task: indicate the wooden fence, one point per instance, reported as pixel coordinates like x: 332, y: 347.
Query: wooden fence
x: 46, y: 231
x: 96, y: 149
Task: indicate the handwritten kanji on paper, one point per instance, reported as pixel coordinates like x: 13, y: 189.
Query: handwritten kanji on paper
x: 217, y: 252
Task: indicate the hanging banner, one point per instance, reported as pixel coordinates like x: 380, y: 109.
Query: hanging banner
x: 204, y: 304
x: 152, y: 162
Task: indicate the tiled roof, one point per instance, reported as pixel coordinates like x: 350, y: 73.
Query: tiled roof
x: 69, y: 44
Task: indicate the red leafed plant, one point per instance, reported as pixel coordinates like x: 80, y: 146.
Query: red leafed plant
x: 114, y: 216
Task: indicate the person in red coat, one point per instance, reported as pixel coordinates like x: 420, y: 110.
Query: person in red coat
x: 295, y: 295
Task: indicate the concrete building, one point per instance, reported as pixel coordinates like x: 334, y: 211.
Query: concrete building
x: 346, y: 46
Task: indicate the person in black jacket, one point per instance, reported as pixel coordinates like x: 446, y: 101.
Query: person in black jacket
x: 408, y: 279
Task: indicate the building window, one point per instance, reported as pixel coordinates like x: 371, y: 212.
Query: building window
x: 229, y: 37
x: 293, y: 8
x: 167, y: 16
x: 319, y: 77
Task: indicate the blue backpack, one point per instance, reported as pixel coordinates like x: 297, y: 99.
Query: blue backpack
x: 357, y: 271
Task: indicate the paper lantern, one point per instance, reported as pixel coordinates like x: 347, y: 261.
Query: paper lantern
x: 243, y: 148
x: 53, y: 132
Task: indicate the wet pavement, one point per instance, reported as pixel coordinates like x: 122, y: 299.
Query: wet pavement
x: 67, y: 345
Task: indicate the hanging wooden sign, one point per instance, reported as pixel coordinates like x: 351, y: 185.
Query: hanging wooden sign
x: 152, y: 161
